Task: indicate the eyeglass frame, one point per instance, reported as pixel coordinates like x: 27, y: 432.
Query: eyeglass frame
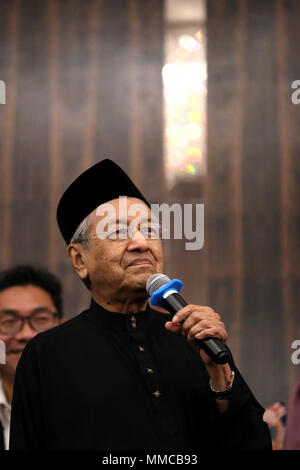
x: 28, y: 320
x: 131, y: 235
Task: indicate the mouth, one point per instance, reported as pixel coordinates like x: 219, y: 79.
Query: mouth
x: 140, y: 262
x: 15, y: 351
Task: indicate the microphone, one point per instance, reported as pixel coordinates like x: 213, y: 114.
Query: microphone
x: 165, y: 293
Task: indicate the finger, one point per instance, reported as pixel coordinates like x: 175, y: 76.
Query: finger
x: 186, y: 311
x: 213, y: 332
x: 196, y: 318
x: 203, y: 325
x: 174, y: 327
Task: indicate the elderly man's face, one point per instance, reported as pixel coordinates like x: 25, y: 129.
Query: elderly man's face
x: 114, y: 265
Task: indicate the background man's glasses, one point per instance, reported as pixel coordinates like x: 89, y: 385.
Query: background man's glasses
x: 11, y: 323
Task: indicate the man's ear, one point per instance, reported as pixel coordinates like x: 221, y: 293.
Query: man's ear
x: 77, y: 254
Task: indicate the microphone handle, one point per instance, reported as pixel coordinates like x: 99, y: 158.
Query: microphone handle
x: 212, y: 346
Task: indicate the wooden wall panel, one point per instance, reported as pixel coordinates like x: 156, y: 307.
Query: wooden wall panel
x: 9, y: 57
x: 83, y: 83
x: 252, y: 196
x: 223, y: 189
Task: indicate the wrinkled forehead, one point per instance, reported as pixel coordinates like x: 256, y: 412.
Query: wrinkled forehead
x: 122, y: 209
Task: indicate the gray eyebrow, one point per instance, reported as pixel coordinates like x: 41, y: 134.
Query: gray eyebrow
x: 123, y: 221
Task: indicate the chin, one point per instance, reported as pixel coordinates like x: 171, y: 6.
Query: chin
x: 12, y: 360
x: 139, y: 279
x: 140, y: 275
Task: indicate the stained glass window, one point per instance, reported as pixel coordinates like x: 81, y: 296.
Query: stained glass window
x: 185, y: 88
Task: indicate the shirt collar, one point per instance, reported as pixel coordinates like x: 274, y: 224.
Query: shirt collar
x: 121, y: 321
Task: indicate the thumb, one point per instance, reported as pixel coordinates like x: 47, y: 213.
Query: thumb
x: 172, y: 326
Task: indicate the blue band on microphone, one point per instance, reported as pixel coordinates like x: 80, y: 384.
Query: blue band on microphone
x: 156, y: 297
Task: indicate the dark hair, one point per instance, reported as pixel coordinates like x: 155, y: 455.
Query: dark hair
x: 25, y: 275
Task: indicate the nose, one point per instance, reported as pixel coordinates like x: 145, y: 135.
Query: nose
x: 138, y: 243
x: 26, y: 334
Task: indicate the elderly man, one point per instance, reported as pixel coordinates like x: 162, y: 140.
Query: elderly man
x: 119, y: 376
x: 30, y: 302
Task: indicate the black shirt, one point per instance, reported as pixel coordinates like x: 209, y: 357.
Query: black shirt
x: 106, y: 380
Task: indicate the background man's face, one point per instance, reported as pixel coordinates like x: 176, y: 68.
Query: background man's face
x: 23, y: 300
x: 116, y: 265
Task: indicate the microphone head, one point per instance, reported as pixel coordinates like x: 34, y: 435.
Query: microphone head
x: 155, y: 282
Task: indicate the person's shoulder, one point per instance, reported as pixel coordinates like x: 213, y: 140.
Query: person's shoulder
x: 66, y: 329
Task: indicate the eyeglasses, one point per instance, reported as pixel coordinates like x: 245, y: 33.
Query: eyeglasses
x: 12, y: 323
x: 151, y: 231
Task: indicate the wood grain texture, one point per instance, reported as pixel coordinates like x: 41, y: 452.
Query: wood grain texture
x: 9, y: 34
x: 252, y: 185
x: 84, y: 83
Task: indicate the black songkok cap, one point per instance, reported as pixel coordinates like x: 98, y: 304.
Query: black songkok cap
x: 101, y: 183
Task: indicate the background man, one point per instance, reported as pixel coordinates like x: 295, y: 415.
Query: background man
x: 118, y: 376
x: 30, y: 302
